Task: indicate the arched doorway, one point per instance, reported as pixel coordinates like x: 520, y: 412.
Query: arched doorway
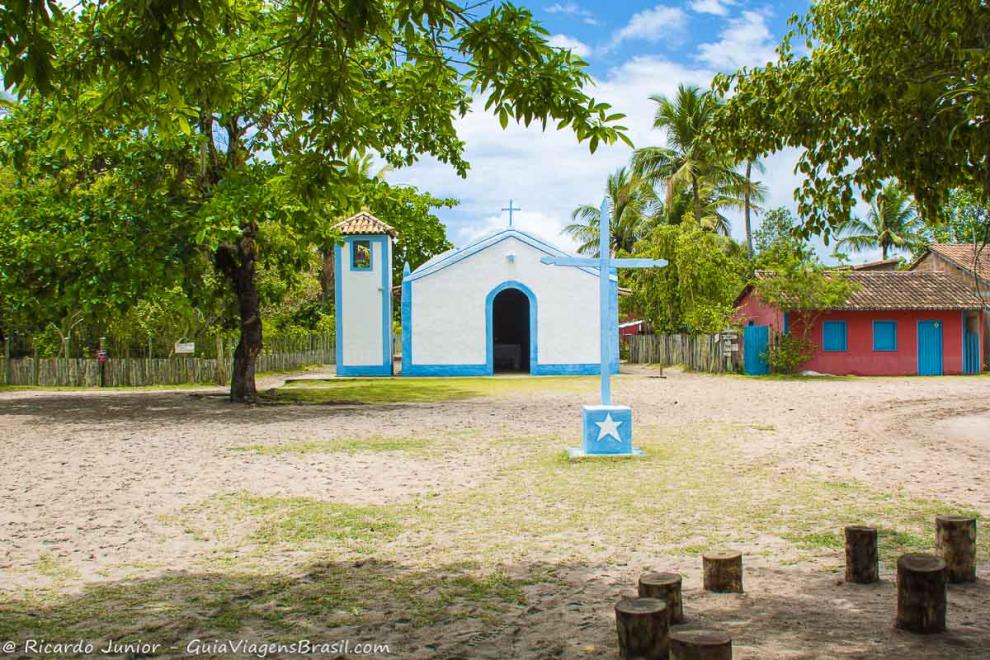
x: 511, y: 341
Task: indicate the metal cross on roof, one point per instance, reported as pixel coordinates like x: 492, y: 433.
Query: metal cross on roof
x: 510, y: 209
x: 605, y: 265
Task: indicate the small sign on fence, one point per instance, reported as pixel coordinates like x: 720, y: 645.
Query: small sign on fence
x: 185, y: 347
x: 730, y: 343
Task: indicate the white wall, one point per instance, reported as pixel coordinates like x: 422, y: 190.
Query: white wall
x: 361, y: 307
x: 448, y: 307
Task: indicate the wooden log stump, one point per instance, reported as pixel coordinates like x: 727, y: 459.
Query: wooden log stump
x: 955, y: 542
x: 723, y: 572
x: 665, y: 587
x: 921, y: 580
x: 862, y: 558
x: 643, y: 628
x: 700, y: 645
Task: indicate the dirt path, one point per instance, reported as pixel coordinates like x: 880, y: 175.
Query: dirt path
x: 92, y: 482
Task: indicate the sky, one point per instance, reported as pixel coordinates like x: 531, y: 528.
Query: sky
x: 634, y: 49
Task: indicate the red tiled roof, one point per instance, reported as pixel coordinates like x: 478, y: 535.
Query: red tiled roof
x: 364, y: 223
x: 889, y: 290
x: 900, y: 289
x: 966, y: 255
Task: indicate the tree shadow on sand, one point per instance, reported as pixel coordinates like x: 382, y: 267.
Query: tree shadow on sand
x: 523, y: 610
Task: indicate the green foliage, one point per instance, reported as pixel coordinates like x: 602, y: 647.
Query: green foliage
x: 695, y: 292
x: 635, y: 207
x: 963, y: 219
x: 891, y: 89
x: 788, y: 352
x: 692, y: 163
x: 800, y: 285
x: 778, y: 238
x: 891, y: 224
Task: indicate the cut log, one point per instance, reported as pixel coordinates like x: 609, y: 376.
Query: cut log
x: 723, y: 572
x: 862, y: 558
x: 955, y: 541
x: 700, y: 645
x: 665, y: 587
x: 921, y: 580
x: 643, y: 628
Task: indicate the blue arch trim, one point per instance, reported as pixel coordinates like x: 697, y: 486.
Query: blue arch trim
x: 533, y: 336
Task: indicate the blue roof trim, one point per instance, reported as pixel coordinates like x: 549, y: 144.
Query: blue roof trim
x: 450, y: 258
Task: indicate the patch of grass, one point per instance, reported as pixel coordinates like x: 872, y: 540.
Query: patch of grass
x: 689, y: 492
x: 344, y: 445
x: 420, y: 390
x: 299, y: 522
x: 54, y: 568
x: 816, y: 540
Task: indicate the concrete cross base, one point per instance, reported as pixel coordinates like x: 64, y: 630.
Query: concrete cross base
x: 575, y: 453
x: 607, y: 432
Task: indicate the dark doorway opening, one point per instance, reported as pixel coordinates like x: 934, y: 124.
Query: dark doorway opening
x: 510, y: 331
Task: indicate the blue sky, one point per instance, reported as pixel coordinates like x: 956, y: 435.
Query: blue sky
x: 634, y: 49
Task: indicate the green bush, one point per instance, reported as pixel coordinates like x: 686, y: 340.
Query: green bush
x: 789, y: 352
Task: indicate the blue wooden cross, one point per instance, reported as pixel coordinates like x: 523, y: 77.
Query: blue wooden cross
x: 608, y: 427
x: 510, y: 209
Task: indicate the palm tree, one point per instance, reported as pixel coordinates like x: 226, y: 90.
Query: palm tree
x: 634, y: 206
x: 754, y: 191
x: 892, y: 224
x: 690, y: 159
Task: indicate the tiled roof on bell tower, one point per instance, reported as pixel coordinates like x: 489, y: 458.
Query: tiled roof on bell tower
x: 364, y: 223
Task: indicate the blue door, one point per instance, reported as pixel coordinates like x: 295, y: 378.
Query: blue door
x: 929, y: 348
x: 971, y: 352
x: 756, y: 342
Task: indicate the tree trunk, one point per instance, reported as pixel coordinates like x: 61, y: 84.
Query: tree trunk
x: 697, y: 198
x: 723, y: 572
x: 955, y: 541
x: 240, y: 265
x: 643, y: 628
x: 883, y: 251
x: 665, y: 587
x: 862, y: 559
x: 326, y: 277
x: 700, y: 645
x: 747, y: 206
x: 921, y: 593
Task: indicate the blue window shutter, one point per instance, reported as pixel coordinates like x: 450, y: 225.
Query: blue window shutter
x: 834, y: 336
x: 884, y: 336
x: 787, y: 322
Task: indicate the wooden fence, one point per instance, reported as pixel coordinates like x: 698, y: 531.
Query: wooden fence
x: 696, y: 352
x: 85, y: 372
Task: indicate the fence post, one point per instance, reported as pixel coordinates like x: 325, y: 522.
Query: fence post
x: 8, y: 368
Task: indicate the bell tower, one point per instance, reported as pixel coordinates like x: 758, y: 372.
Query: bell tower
x: 363, y: 296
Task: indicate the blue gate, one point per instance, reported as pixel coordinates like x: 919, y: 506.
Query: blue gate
x: 971, y: 352
x: 756, y: 342
x: 929, y: 348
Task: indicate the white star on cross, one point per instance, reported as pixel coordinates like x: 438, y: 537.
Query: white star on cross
x: 609, y: 427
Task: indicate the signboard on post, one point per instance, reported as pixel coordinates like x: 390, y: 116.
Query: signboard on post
x: 185, y: 348
x: 730, y: 343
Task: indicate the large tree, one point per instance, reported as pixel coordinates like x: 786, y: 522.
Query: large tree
x: 691, y: 162
x: 277, y: 95
x: 635, y: 207
x: 890, y: 224
x: 890, y: 89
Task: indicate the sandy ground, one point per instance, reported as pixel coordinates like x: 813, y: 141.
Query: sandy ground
x: 91, y: 478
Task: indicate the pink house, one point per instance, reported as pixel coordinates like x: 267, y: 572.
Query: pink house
x: 896, y: 323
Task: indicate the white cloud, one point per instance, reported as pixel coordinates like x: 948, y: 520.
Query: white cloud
x: 652, y: 25
x: 746, y: 41
x: 549, y: 173
x: 576, y: 46
x: 572, y: 9
x: 716, y: 7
